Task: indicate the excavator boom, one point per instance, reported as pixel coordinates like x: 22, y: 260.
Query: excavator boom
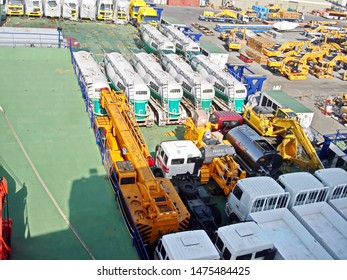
x: 284, y: 123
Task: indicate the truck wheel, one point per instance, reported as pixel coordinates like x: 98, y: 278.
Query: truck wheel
x: 188, y: 189
x: 216, y: 215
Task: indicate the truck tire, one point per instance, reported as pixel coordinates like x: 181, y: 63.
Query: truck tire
x: 188, y: 189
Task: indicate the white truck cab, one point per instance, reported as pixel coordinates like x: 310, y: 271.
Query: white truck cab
x: 336, y: 180
x: 244, y: 241
x: 255, y: 194
x: 178, y: 157
x: 186, y: 245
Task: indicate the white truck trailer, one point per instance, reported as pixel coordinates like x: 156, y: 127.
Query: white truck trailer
x: 88, y: 9
x: 184, y: 45
x: 264, y: 201
x: 154, y: 41
x: 91, y: 79
x: 336, y: 180
x: 186, y: 245
x: 166, y: 93
x: 230, y: 93
x: 123, y: 77
x: 70, y: 9
x: 52, y: 8
x: 198, y: 93
x: 308, y: 204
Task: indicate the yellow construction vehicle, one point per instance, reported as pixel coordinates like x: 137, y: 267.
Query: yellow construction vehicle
x: 274, y: 63
x: 220, y: 166
x: 279, y: 49
x: 150, y: 205
x: 232, y: 43
x: 224, y: 35
x: 322, y: 22
x: 324, y: 68
x: 296, y: 67
x: 274, y: 8
x: 284, y: 123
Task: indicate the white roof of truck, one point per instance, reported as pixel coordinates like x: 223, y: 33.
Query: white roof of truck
x: 243, y: 237
x: 260, y: 186
x: 190, y: 245
x: 183, y: 147
x: 332, y: 177
x: 299, y: 181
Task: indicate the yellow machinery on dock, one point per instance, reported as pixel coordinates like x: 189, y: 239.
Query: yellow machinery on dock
x: 149, y: 203
x: 284, y: 123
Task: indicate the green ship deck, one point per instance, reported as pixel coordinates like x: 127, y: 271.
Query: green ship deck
x: 42, y: 101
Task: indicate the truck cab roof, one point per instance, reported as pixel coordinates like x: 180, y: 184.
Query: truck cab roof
x: 332, y: 177
x: 190, y: 245
x: 184, y: 147
x: 260, y: 186
x: 299, y: 181
x: 243, y: 238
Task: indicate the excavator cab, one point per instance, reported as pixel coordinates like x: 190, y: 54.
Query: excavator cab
x: 286, y: 113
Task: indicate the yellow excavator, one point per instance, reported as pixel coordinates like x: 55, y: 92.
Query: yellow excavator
x: 284, y: 124
x: 324, y: 68
x: 279, y: 49
x: 232, y: 43
x: 296, y: 67
x: 222, y: 167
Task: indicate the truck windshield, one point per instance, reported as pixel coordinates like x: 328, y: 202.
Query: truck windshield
x: 52, y: 4
x: 16, y: 2
x: 149, y: 18
x: 106, y: 7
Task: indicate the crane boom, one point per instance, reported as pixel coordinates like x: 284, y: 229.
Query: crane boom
x: 151, y: 204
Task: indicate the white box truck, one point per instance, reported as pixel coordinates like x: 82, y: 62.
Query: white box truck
x: 336, y: 180
x: 309, y: 206
x: 264, y: 201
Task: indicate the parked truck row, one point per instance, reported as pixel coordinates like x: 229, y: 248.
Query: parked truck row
x: 118, y: 11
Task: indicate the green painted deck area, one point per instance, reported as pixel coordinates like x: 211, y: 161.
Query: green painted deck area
x: 94, y: 37
x: 42, y: 100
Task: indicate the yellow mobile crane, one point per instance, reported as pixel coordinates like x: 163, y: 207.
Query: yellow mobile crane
x: 284, y: 123
x: 222, y: 167
x: 150, y: 204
